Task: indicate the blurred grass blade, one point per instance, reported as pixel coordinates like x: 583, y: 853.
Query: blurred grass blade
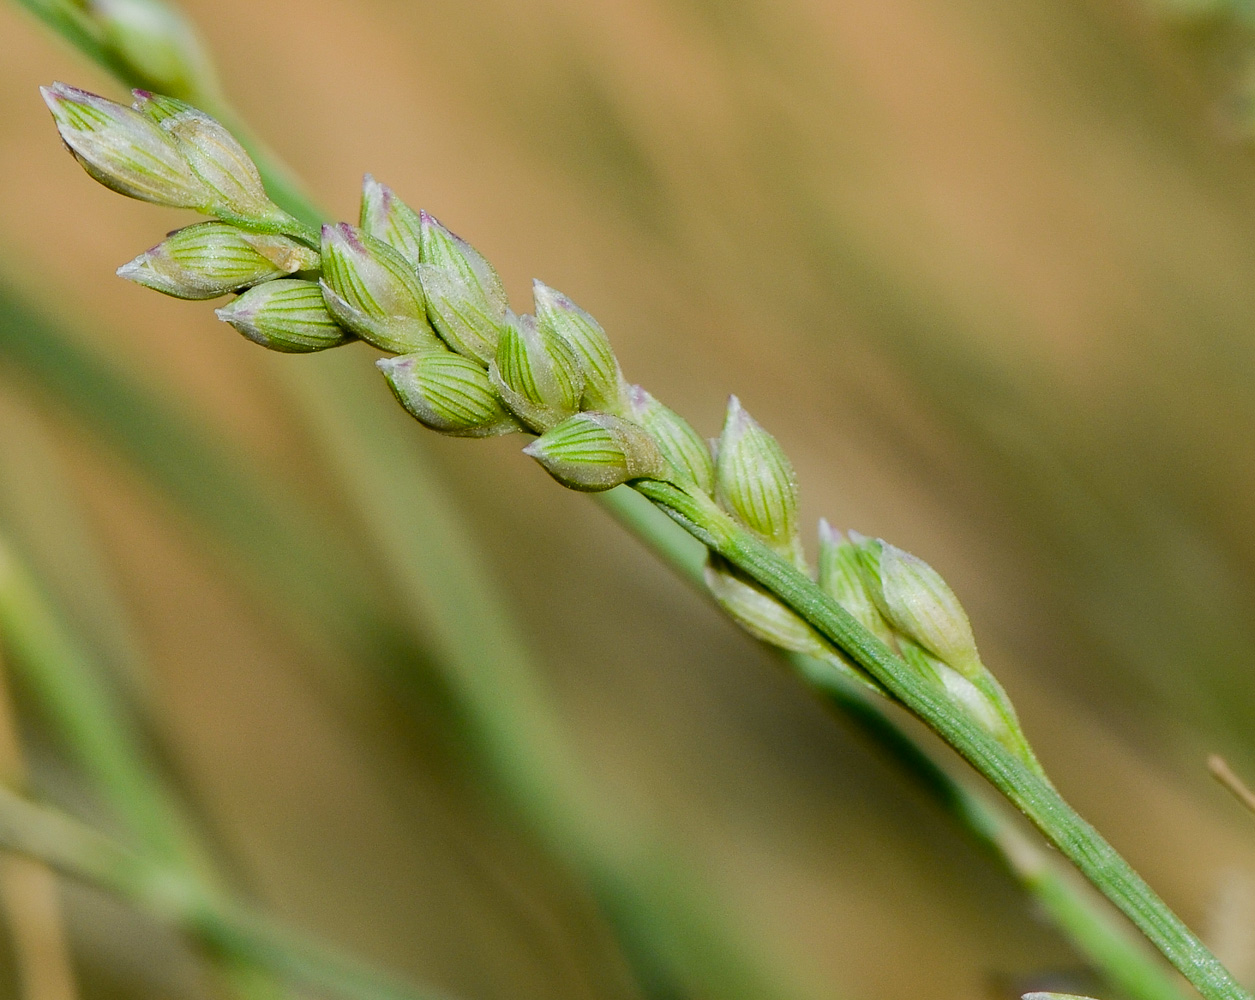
x: 287, y: 546
x: 29, y: 889
x: 1235, y: 786
x: 83, y: 712
x: 170, y: 898
x: 41, y: 515
x: 70, y: 692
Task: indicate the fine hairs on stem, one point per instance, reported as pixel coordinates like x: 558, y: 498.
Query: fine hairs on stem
x: 463, y: 363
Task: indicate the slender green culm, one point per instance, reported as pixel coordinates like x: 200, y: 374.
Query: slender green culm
x: 748, y: 521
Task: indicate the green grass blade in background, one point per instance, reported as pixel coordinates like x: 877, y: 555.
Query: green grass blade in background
x: 84, y: 714
x: 169, y: 897
x: 70, y: 691
x: 287, y: 553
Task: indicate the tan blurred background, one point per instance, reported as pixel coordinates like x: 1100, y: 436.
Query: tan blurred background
x: 988, y: 272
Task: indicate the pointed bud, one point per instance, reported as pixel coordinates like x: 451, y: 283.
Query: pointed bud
x: 759, y: 612
x: 754, y: 480
x: 369, y: 288
x: 604, y: 387
x: 286, y: 315
x: 466, y: 301
x: 448, y: 393
x: 1053, y: 996
x: 386, y: 217
x: 156, y: 44
x: 123, y: 150
x: 236, y: 193
x: 212, y: 258
x: 917, y: 602
x: 841, y: 577
x: 536, y: 373
x: 597, y: 451
x: 680, y: 445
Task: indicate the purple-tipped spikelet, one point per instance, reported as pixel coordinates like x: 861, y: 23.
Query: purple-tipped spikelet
x: 124, y: 150
x: 286, y: 315
x: 466, y: 301
x: 371, y: 289
x: 210, y: 259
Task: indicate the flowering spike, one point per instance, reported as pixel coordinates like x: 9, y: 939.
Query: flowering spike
x: 755, y: 482
x: 124, y: 150
x: 286, y: 315
x: 597, y: 451
x: 917, y: 602
x: 369, y: 288
x: 386, y: 217
x: 217, y: 158
x: 682, y: 446
x: 447, y: 393
x: 536, y: 373
x: 604, y: 387
x: 466, y: 301
x: 212, y: 258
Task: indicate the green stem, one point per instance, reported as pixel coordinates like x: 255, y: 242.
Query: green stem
x: 1109, y: 945
x: 1032, y: 794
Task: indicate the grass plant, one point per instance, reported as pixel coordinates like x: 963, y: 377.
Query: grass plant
x: 409, y: 287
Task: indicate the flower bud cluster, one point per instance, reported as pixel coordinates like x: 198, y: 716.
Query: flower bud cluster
x: 906, y: 604
x: 462, y: 363
x: 165, y: 151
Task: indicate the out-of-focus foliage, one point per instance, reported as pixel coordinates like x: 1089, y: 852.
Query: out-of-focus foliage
x: 984, y: 269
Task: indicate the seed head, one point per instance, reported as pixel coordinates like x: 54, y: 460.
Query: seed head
x: 755, y: 482
x: 216, y: 157
x: 466, y: 301
x: 917, y: 602
x: 760, y: 613
x: 156, y: 44
x: 386, y: 217
x: 682, y: 446
x: 604, y: 387
x: 841, y: 577
x: 536, y: 373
